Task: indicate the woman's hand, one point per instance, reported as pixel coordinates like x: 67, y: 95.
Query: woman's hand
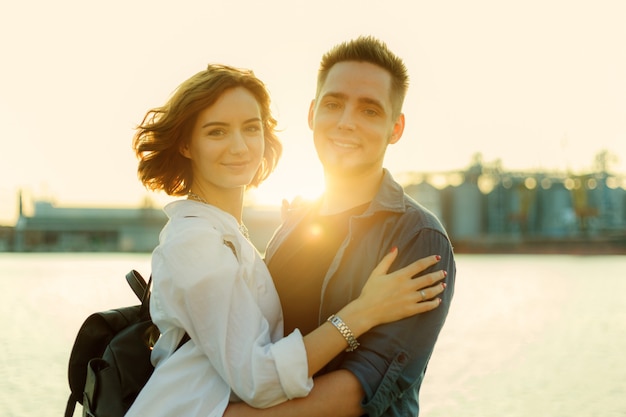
x: 388, y: 297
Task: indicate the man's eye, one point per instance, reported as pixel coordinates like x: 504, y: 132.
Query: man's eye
x: 331, y: 105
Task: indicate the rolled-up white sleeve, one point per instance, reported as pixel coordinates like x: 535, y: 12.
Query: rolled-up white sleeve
x: 289, y: 365
x: 201, y: 286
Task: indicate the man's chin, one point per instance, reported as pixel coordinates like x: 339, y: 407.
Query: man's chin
x: 342, y: 171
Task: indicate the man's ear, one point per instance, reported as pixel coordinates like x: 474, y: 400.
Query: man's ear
x: 311, y: 113
x: 398, y: 129
x: 184, y: 150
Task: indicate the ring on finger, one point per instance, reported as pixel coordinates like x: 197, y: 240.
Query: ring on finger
x: 423, y: 294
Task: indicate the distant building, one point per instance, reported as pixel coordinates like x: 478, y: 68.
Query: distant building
x: 484, y: 209
x: 69, y: 229
x: 492, y: 210
x: 6, y: 238
x: 465, y: 212
x: 82, y: 229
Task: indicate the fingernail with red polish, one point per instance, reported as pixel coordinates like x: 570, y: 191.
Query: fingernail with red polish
x: 395, y: 248
x: 437, y: 257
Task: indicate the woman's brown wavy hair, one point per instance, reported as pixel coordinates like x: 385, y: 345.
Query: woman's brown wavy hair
x: 163, y: 131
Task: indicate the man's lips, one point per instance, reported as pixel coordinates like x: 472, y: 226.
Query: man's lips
x: 344, y: 144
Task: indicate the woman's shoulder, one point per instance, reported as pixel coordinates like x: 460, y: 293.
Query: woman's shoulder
x: 194, y: 240
x: 191, y: 208
x: 193, y: 221
x: 201, y: 215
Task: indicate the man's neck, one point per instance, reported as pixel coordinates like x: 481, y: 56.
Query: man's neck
x: 345, y: 192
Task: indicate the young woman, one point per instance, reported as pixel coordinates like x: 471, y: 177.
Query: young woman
x: 214, y: 138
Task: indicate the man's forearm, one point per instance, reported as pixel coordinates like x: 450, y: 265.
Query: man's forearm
x: 337, y: 394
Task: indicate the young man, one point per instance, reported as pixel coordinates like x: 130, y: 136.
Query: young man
x: 323, y: 253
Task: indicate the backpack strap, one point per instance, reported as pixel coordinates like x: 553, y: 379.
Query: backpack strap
x: 142, y: 291
x: 70, y: 407
x: 137, y: 283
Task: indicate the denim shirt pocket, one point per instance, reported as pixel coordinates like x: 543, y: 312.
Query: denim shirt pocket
x: 390, y: 398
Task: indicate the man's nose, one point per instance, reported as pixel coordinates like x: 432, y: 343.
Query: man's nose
x: 346, y: 119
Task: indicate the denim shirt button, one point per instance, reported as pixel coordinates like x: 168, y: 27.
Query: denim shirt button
x: 402, y: 358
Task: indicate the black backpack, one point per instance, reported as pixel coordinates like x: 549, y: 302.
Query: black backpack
x: 110, y: 360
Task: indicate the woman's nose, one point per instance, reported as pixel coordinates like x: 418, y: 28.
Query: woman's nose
x: 238, y: 144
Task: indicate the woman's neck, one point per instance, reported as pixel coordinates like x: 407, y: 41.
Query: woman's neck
x: 228, y: 200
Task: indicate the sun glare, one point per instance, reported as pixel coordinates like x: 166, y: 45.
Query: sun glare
x: 283, y: 186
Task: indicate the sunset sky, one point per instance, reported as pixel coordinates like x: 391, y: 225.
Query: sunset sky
x: 536, y: 84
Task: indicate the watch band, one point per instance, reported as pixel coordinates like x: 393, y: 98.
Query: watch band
x: 345, y: 332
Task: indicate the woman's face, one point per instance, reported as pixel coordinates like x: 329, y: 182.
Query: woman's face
x: 227, y: 143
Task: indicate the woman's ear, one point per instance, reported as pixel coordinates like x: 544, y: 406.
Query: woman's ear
x: 184, y: 150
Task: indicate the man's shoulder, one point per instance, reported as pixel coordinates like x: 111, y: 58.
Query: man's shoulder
x: 417, y: 215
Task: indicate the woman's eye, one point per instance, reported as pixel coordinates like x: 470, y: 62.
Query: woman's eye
x: 253, y: 128
x: 217, y: 132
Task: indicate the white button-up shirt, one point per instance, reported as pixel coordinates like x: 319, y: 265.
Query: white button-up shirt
x: 222, y: 294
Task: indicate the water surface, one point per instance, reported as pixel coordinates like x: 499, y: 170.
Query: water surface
x: 527, y: 335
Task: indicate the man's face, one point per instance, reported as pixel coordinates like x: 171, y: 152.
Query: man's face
x: 351, y: 119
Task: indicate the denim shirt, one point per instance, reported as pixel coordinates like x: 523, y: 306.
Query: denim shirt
x: 391, y: 362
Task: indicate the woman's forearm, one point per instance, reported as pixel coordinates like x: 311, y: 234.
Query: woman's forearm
x: 326, y: 342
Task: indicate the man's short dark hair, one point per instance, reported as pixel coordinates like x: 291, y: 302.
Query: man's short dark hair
x: 371, y: 50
